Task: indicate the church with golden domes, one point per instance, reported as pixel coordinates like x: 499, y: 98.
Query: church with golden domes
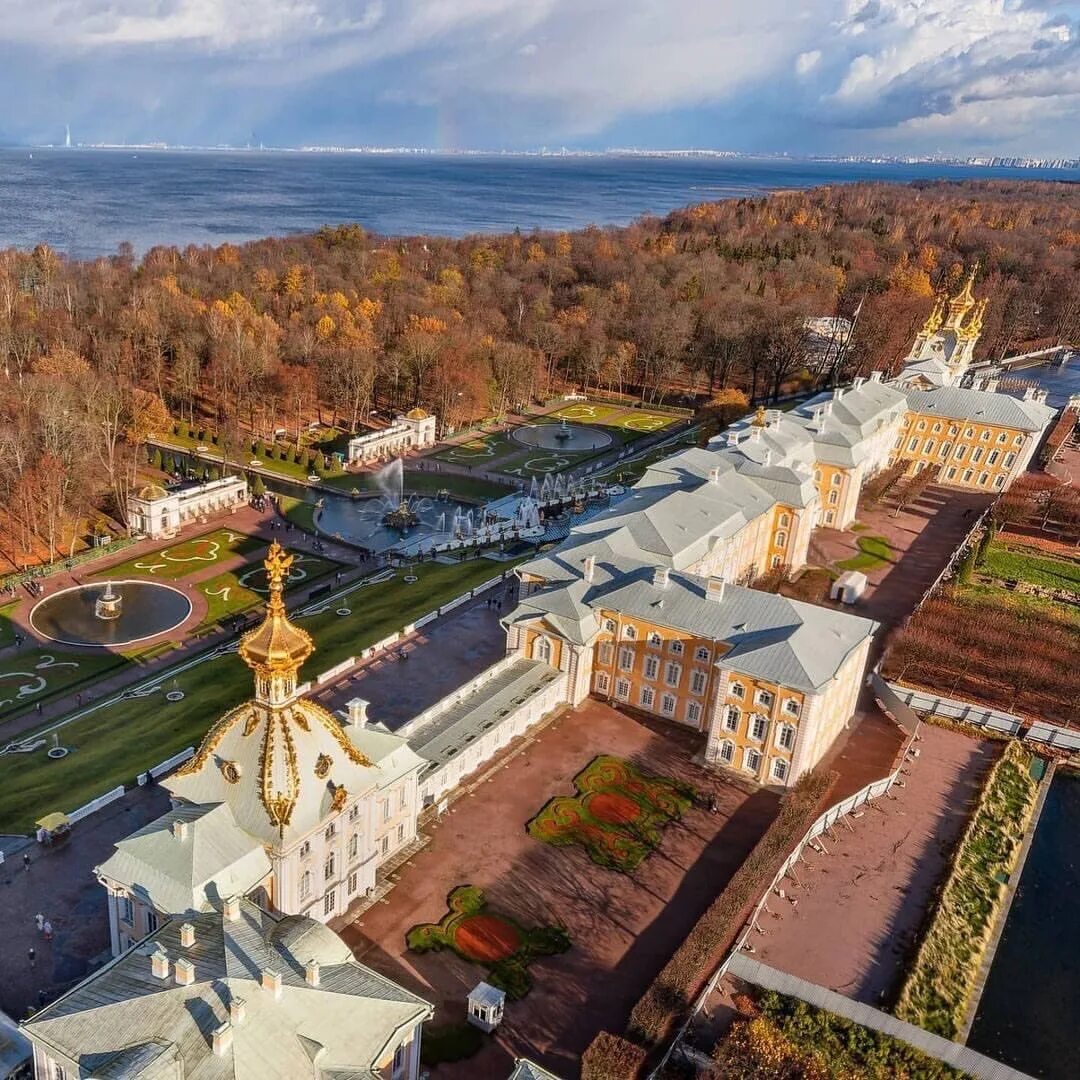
x: 282, y: 800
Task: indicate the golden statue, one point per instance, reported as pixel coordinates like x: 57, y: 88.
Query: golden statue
x: 277, y: 647
x: 963, y: 301
x: 759, y: 417
x: 935, y: 318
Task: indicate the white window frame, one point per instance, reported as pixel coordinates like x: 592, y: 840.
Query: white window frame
x: 780, y: 770
x: 785, y: 737
x: 622, y: 689
x: 668, y: 704
x: 758, y: 727
x: 672, y: 673
x: 726, y: 752
x: 646, y: 697
x: 764, y: 698
x: 699, y: 680
x: 750, y: 753
x: 693, y: 712
x: 651, y: 668
x: 626, y: 659
x: 603, y: 682
x: 732, y: 718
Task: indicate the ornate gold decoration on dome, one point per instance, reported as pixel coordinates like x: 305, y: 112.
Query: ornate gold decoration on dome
x: 322, y: 766
x: 936, y: 317
x: 973, y: 327
x: 231, y: 771
x: 337, y: 800
x: 417, y: 414
x: 278, y: 803
x: 963, y: 301
x: 759, y: 417
x: 276, y: 647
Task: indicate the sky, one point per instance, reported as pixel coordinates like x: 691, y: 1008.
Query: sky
x: 801, y: 76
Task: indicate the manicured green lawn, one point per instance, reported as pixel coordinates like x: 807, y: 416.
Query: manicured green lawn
x: 300, y: 513
x: 7, y: 631
x: 632, y: 422
x: 179, y: 560
x: 1022, y: 564
x: 240, y: 590
x: 426, y: 483
x: 114, y: 744
x: 39, y: 675
x: 874, y: 551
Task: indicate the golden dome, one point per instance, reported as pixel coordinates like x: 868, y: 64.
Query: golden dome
x: 417, y: 414
x: 152, y: 492
x: 277, y: 646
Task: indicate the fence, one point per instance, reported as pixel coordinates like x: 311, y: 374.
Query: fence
x: 958, y: 551
x: 89, y: 555
x: 165, y: 766
x: 995, y: 720
x: 826, y: 821
x: 96, y: 804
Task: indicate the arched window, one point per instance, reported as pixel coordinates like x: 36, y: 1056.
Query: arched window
x: 541, y: 649
x: 781, y: 539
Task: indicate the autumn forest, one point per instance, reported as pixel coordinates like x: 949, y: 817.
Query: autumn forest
x: 347, y: 327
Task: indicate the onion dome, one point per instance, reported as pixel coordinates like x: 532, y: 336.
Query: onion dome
x: 417, y: 414
x: 152, y: 492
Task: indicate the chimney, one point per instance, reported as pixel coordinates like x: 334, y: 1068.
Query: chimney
x: 1039, y: 396
x: 231, y: 910
x: 838, y: 393
x: 857, y: 382
x: 733, y: 438
x: 660, y: 577
x: 222, y: 1037
x: 358, y: 708
x: 187, y: 935
x: 755, y: 434
x: 588, y: 567
x: 714, y: 475
x: 185, y: 972
x: 159, y: 964
x: 180, y: 830
x: 1029, y: 393
x: 271, y: 981
x: 237, y: 1011
x: 311, y: 973
x: 991, y: 385
x: 875, y: 376
x: 714, y: 589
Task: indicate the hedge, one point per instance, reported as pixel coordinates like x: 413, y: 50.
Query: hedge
x: 673, y: 990
x: 611, y: 1057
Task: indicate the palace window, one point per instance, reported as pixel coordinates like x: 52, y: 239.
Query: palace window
x: 758, y: 726
x: 305, y: 849
x: 945, y: 448
x: 648, y: 696
x: 702, y: 655
x: 781, y: 539
x: 785, y: 737
x: 837, y: 480
x: 953, y: 429
x: 976, y: 455
x: 401, y: 833
x: 921, y: 425
x: 1018, y: 441
x: 384, y: 845
x: 603, y: 681
x: 331, y: 831
x: 305, y: 884
x: 764, y: 699
x: 913, y: 445
x: 541, y: 649
x: 751, y: 760
x: 667, y: 704
x: 968, y: 474
x: 991, y: 458
x: 354, y: 880
x: 626, y: 659
x: 984, y: 436
x: 834, y: 498
x: 673, y: 674
x: 928, y: 446
x: 354, y: 845
x: 693, y: 712
x: 652, y: 666
x: 774, y: 562
x: 983, y: 477
x: 127, y: 910
x: 676, y: 647
x: 999, y: 480
x: 780, y: 770
x: 328, y: 867
x: 1009, y: 459
x: 402, y: 798
x: 151, y: 922
x: 830, y: 517
x: 622, y: 689
x: 738, y: 690
x: 731, y: 719
x: 610, y: 625
x: 791, y: 707
x: 968, y: 432
x: 354, y: 811
x: 936, y: 428
x: 817, y: 476
x: 605, y: 652
x: 329, y: 903
x: 629, y: 633
x: 951, y: 473
x: 784, y: 519
x: 655, y: 639
x: 698, y: 679
x: 727, y: 752
x: 1003, y: 437
x: 384, y: 808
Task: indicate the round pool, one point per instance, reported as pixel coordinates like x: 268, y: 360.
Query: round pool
x: 574, y: 438
x: 146, y: 609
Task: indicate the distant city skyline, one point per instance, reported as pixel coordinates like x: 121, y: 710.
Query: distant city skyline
x: 836, y: 77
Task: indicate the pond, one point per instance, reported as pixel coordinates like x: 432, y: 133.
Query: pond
x: 1031, y: 1002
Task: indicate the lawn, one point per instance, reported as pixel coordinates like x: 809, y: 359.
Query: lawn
x: 7, y: 630
x: 35, y: 676
x: 633, y: 423
x: 299, y: 512
x: 179, y: 560
x: 116, y: 743
x: 874, y: 551
x: 1022, y: 564
x: 425, y: 483
x: 240, y: 590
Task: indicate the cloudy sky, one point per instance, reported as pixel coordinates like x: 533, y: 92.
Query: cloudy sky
x: 799, y: 75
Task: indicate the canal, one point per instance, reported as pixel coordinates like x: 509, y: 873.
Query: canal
x: 1030, y: 1009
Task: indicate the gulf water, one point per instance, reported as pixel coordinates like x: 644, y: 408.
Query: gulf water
x: 87, y: 202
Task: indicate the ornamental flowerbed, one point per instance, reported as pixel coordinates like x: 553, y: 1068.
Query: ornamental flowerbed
x: 618, y: 814
x: 495, y: 941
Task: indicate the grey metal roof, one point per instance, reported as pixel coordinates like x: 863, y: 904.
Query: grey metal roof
x: 980, y: 406
x: 452, y: 731
x: 794, y: 644
x: 123, y: 1018
x: 14, y: 1046
x: 215, y: 858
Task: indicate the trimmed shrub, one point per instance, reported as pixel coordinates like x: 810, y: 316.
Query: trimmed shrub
x: 155, y: 458
x: 611, y: 1057
x: 695, y: 960
x: 256, y: 485
x: 449, y: 1042
x: 283, y: 453
x: 215, y: 473
x: 202, y: 434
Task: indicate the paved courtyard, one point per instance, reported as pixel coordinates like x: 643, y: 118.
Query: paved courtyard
x: 860, y: 906
x: 441, y: 657
x: 922, y: 538
x: 623, y: 927
x: 60, y: 884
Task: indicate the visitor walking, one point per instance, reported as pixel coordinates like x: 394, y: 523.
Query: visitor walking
x: 47, y: 930
x: 31, y: 955
x: 40, y: 920
x: 26, y: 861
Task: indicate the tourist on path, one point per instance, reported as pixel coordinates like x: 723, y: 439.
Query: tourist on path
x: 40, y: 920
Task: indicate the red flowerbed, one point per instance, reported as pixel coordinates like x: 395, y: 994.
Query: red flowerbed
x: 486, y: 938
x: 612, y: 808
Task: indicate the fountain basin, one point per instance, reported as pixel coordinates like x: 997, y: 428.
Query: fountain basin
x: 573, y: 438
x: 147, y: 608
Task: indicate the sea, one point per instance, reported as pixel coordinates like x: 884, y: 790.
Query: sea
x: 85, y: 203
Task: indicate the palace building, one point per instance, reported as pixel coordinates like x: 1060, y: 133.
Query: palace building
x: 413, y: 430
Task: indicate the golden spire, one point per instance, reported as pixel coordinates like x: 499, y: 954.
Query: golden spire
x: 276, y: 649
x: 935, y: 318
x: 759, y: 417
x: 963, y: 301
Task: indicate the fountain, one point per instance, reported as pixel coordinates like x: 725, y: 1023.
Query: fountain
x: 563, y: 433
x: 402, y: 518
x: 107, y: 605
